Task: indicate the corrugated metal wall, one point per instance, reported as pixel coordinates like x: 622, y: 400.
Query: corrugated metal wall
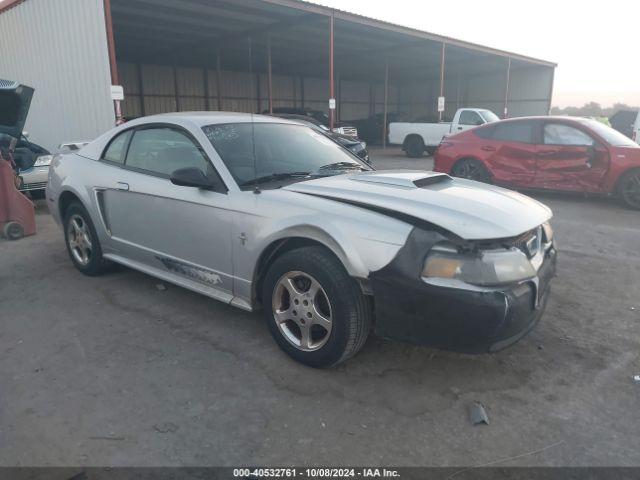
x: 170, y: 89
x: 529, y: 91
x: 59, y: 48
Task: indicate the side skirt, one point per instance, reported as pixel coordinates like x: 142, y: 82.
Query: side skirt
x: 181, y: 282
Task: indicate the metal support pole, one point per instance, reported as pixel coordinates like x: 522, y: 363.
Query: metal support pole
x: 553, y: 74
x: 338, y: 97
x: 141, y: 89
x: 331, y: 84
x: 111, y: 48
x: 219, y: 81
x: 205, y: 79
x: 269, y: 79
x: 301, y: 92
x: 442, y: 59
x: 175, y: 88
x: 386, y: 101
x: 506, y: 93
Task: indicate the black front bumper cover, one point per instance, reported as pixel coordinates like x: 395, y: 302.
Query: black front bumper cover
x: 471, y: 321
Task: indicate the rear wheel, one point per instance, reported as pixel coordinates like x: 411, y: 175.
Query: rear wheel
x: 315, y: 311
x: 629, y: 189
x: 82, y: 241
x: 472, y: 170
x: 414, y: 146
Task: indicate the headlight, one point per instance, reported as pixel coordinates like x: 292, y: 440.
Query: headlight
x: 488, y: 268
x: 43, y: 161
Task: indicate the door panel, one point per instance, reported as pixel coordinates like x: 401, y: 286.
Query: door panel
x: 569, y: 159
x: 184, y: 230
x: 511, y: 153
x: 177, y: 230
x: 513, y: 163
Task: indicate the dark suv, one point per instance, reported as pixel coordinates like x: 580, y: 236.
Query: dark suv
x: 322, y: 117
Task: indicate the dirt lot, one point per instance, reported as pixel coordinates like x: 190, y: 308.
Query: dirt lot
x: 113, y: 371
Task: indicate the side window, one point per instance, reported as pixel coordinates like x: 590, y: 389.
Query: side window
x: 164, y: 150
x: 116, y: 149
x: 513, y: 132
x: 559, y: 134
x: 467, y: 117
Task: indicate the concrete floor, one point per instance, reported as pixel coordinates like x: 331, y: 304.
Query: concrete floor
x: 113, y: 371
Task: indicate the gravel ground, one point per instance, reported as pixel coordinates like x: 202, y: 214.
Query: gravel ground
x: 114, y: 371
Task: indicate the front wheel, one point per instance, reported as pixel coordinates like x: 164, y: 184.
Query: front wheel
x: 82, y: 241
x: 315, y: 311
x: 629, y: 189
x: 471, y: 170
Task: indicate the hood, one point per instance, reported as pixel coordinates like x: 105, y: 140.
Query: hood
x: 470, y: 210
x: 15, y: 100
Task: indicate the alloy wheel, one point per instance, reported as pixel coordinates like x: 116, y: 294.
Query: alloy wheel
x: 79, y: 240
x: 302, y: 311
x: 631, y: 190
x: 469, y: 170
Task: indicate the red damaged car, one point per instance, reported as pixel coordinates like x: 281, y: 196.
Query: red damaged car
x: 551, y: 153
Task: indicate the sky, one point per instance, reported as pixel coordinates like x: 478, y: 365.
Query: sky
x: 596, y: 44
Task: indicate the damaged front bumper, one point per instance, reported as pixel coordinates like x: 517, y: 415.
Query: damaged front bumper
x: 468, y: 320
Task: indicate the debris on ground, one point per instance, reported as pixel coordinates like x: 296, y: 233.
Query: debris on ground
x: 636, y: 378
x: 540, y: 347
x: 478, y: 414
x: 166, y: 427
x: 633, y: 309
x: 161, y: 286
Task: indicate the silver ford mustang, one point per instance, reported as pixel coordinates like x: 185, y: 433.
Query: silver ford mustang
x: 258, y: 211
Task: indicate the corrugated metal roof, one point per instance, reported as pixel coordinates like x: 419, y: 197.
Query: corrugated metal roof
x: 382, y: 24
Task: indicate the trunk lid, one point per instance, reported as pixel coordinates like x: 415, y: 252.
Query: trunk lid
x: 15, y: 100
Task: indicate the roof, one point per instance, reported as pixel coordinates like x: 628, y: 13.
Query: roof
x: 207, y: 118
x: 194, y: 32
x: 357, y: 18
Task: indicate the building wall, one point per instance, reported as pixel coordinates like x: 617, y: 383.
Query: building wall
x: 59, y: 48
x: 169, y: 89
x: 529, y: 91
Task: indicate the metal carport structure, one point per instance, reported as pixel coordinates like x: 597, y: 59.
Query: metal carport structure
x: 254, y: 55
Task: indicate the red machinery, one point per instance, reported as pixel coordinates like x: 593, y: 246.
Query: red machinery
x: 17, y: 214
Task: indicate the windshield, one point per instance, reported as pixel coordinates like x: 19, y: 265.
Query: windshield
x: 489, y: 116
x: 283, y: 152
x: 611, y: 136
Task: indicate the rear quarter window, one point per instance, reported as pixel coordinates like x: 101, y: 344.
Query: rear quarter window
x: 513, y: 132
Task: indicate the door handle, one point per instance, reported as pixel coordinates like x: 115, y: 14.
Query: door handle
x: 488, y: 148
x: 122, y: 186
x: 547, y: 153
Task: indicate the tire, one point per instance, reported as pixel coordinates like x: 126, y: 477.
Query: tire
x: 471, y: 170
x: 13, y: 231
x: 85, y: 252
x: 414, y: 147
x: 338, y: 299
x: 629, y: 189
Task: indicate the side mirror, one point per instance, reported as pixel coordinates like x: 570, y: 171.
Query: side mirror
x: 193, y: 177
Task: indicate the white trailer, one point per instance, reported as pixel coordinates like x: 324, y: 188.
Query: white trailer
x: 416, y: 138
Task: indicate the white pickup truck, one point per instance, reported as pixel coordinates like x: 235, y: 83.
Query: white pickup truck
x: 416, y: 138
